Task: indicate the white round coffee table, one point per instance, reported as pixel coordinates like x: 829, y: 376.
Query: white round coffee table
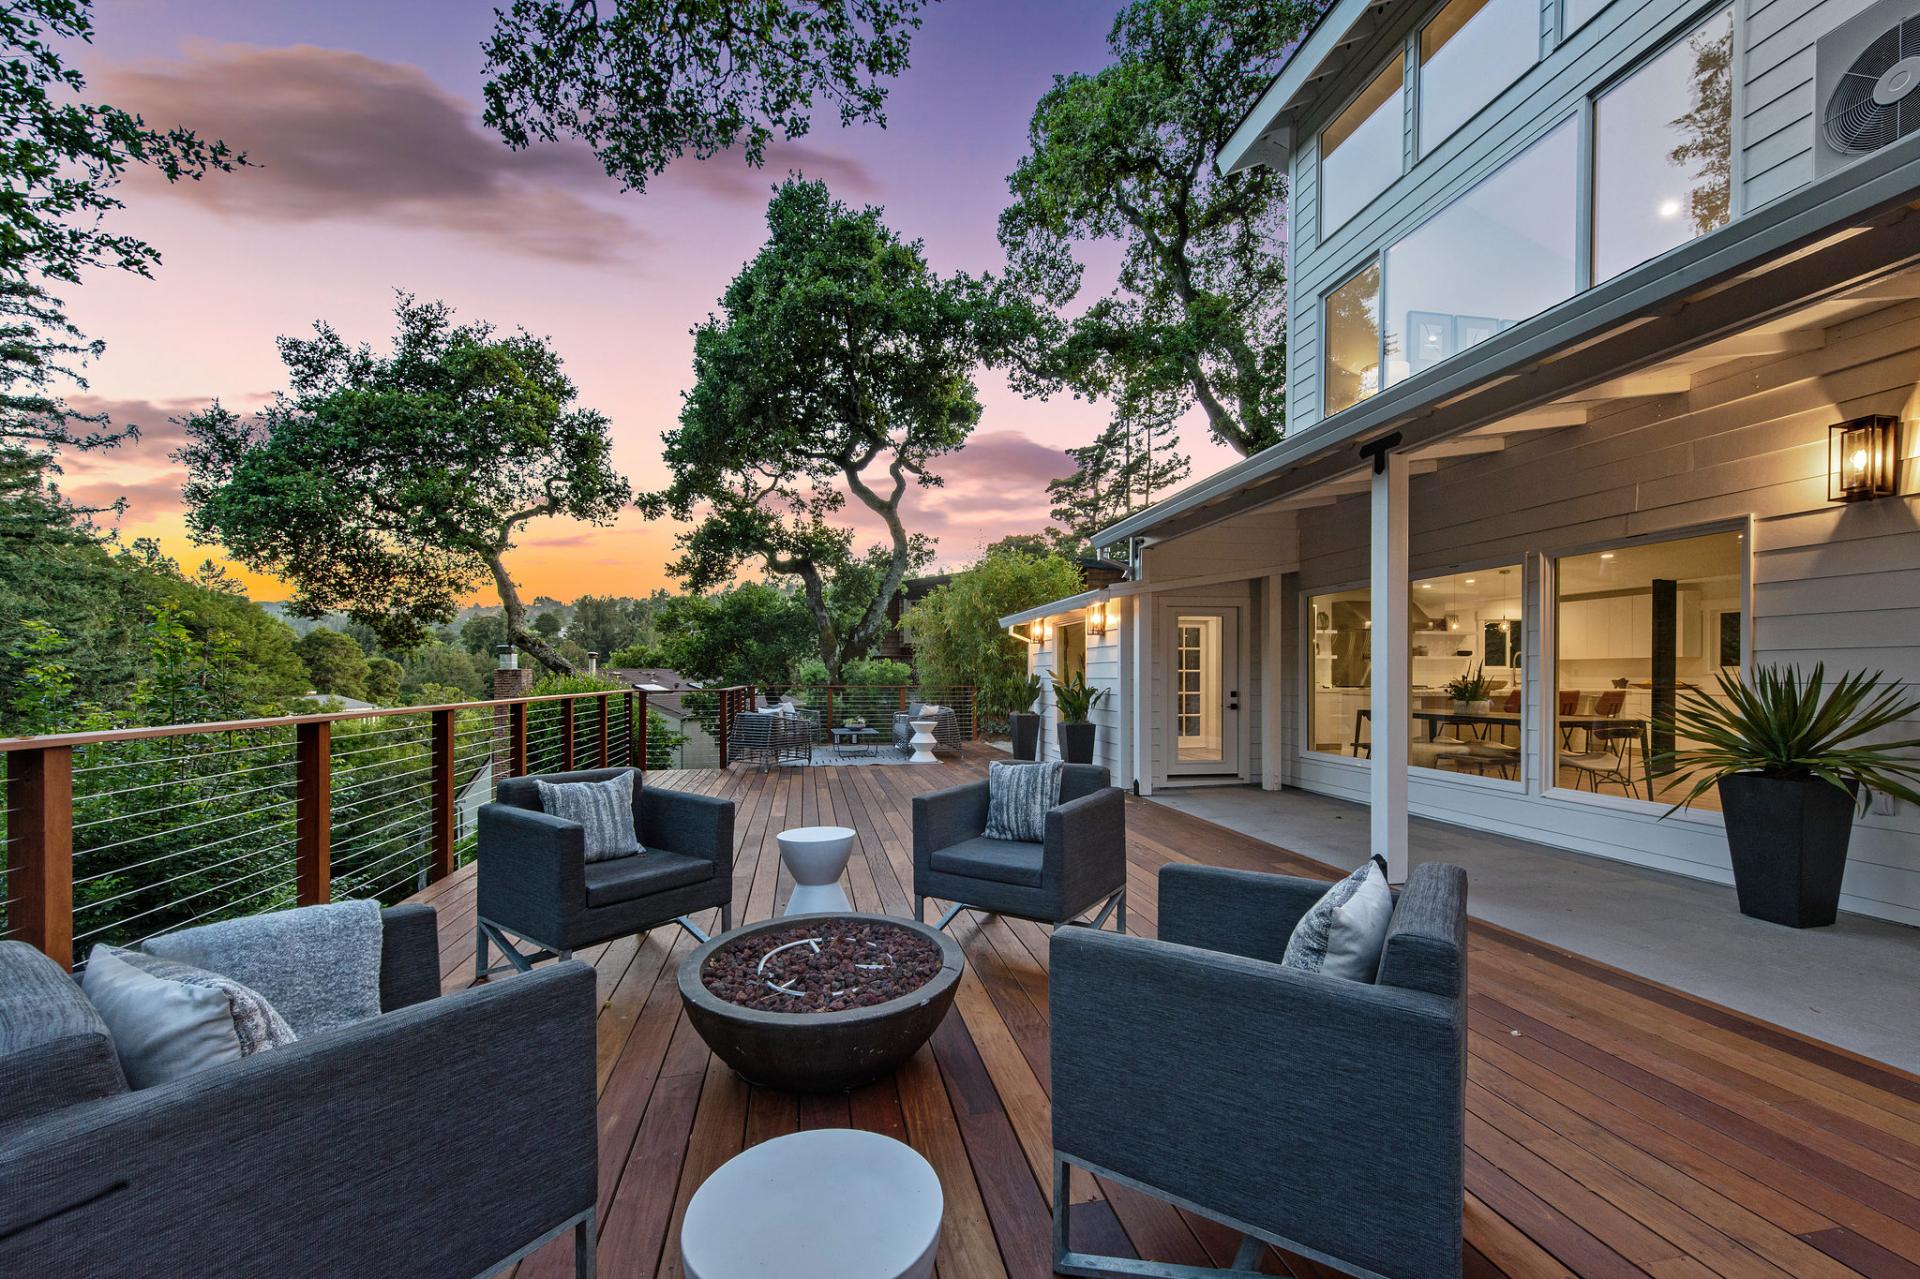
x: 829, y: 1203
x: 815, y: 856
x: 922, y: 741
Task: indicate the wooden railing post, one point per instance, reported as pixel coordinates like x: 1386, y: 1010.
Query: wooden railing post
x: 313, y: 812
x: 40, y: 849
x: 903, y: 697
x: 726, y: 720
x: 517, y: 740
x: 637, y: 708
x: 443, y: 784
x: 828, y: 722
x: 566, y: 736
x: 605, y: 740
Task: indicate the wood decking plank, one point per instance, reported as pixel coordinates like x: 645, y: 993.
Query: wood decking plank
x: 1617, y: 1128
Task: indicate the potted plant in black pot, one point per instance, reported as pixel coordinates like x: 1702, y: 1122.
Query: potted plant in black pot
x: 1789, y: 757
x: 1023, y: 725
x: 1076, y: 701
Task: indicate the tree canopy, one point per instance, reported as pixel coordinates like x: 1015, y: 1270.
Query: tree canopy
x: 841, y: 365
x: 956, y: 633
x: 751, y: 634
x: 389, y: 486
x: 1127, y: 154
x: 1135, y: 457
x: 63, y: 159
x: 652, y: 80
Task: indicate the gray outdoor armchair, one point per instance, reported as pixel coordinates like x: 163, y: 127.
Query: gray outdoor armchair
x: 536, y: 883
x: 359, y: 1153
x: 771, y: 738
x: 1321, y: 1115
x: 1081, y: 864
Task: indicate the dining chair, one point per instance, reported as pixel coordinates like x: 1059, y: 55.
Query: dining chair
x: 1609, y: 753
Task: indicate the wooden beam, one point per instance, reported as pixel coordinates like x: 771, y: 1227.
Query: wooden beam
x: 1461, y: 446
x: 443, y: 787
x: 1646, y: 382
x: 566, y: 736
x: 313, y: 813
x: 637, y: 706
x: 40, y: 850
x: 1551, y: 417
x: 517, y: 740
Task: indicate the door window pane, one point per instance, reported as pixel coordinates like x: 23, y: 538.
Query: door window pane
x: 1360, y: 150
x: 1635, y: 625
x: 1663, y: 151
x: 1351, y: 369
x: 1470, y: 52
x: 1498, y: 254
x: 1197, y: 689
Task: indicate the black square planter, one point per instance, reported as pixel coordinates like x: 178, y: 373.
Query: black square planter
x: 1788, y: 838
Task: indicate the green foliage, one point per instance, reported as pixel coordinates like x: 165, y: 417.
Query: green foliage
x: 1128, y: 154
x: 335, y: 665
x: 752, y: 634
x: 1135, y: 457
x: 1048, y: 541
x: 436, y: 668
x: 841, y: 364
x: 481, y: 632
x: 548, y: 685
x: 63, y: 160
x: 548, y: 625
x: 1075, y: 699
x: 383, y: 681
x: 652, y: 80
x: 956, y: 633
x: 1789, y: 724
x: 388, y: 486
x: 864, y: 672
x: 605, y: 624
x: 636, y: 655
x: 1470, y: 687
x: 40, y: 697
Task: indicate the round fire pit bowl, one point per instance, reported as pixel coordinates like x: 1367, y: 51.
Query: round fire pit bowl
x: 837, y: 963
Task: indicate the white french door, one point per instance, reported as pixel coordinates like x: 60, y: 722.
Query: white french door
x: 1204, y: 690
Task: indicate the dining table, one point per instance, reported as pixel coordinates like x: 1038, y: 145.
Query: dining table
x: 1434, y: 718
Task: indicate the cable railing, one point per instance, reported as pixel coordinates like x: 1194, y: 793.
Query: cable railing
x: 116, y: 836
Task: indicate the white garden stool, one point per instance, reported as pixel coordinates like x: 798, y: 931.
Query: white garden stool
x: 922, y: 741
x: 829, y: 1203
x: 815, y: 856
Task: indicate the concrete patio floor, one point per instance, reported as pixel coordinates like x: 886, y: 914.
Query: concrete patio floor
x: 1852, y: 985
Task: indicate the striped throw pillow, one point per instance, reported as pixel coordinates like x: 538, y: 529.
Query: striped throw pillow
x: 603, y: 809
x: 1019, y: 797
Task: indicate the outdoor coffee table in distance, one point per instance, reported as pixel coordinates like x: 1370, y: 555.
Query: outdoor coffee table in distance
x: 816, y: 856
x: 849, y: 739
x: 829, y: 1203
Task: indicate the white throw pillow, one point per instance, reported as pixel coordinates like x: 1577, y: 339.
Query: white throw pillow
x: 170, y: 1020
x: 1343, y: 933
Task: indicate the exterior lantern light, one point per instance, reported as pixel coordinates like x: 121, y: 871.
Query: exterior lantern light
x: 1863, y: 459
x: 506, y: 657
x: 1097, y: 616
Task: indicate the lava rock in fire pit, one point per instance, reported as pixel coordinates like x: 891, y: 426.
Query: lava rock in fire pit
x: 820, y: 1003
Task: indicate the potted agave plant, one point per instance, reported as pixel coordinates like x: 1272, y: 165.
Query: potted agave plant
x: 1076, y: 700
x: 1023, y: 723
x: 1471, y: 693
x: 1790, y: 758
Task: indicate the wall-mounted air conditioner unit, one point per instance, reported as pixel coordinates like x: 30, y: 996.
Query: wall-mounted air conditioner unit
x: 1867, y: 84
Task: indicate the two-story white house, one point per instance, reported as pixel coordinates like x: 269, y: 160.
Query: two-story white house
x: 1585, y: 297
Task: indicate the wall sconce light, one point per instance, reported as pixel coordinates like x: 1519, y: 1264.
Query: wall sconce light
x: 1863, y: 458
x: 1043, y: 631
x: 1097, y: 616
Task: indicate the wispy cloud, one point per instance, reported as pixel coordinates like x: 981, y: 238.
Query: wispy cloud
x: 727, y: 176
x: 343, y: 136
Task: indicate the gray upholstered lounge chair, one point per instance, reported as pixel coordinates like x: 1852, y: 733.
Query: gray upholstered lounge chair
x: 1082, y: 863
x: 365, y: 1152
x: 1318, y: 1114
x: 537, y: 884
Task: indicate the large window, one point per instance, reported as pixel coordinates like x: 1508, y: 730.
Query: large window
x: 1351, y: 369
x: 1460, y: 625
x: 1635, y: 625
x: 1470, y: 52
x: 1498, y: 254
x: 1663, y: 151
x: 1360, y: 150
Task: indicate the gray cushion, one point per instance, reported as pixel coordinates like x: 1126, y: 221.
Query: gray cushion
x: 1019, y: 797
x: 604, y: 810
x: 625, y: 878
x: 170, y: 1019
x: 318, y: 965
x: 1341, y: 935
x: 55, y: 1050
x: 1004, y: 861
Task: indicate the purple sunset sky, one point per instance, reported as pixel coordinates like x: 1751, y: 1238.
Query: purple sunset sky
x: 376, y: 175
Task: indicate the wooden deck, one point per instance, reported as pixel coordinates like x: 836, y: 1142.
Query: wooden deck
x: 1615, y: 1127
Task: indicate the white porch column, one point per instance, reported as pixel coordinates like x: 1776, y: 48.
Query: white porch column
x: 1391, y: 682
x: 1143, y: 702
